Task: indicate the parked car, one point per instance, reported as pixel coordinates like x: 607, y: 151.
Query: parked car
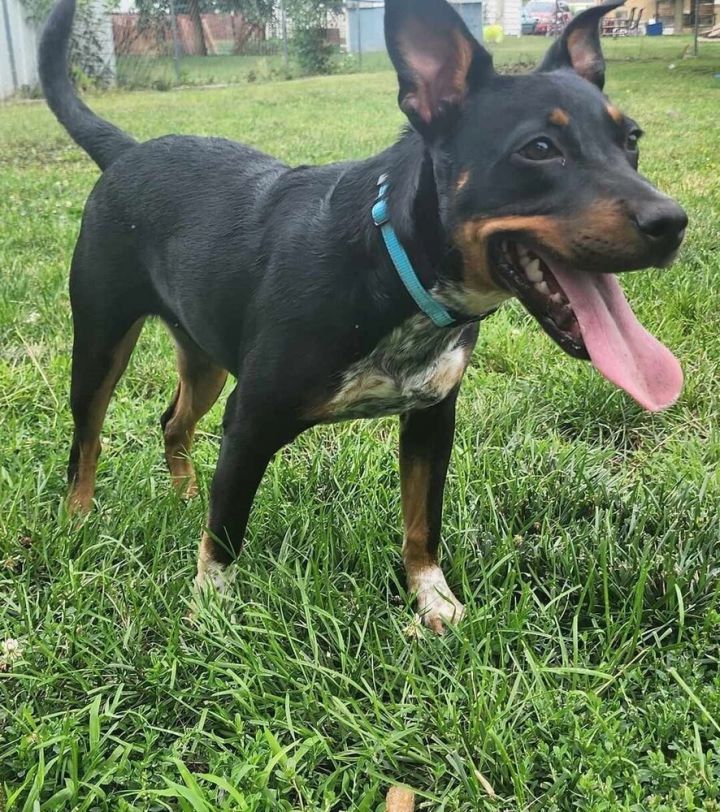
x: 549, y: 16
x: 527, y: 22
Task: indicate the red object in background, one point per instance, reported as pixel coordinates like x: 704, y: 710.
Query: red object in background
x: 549, y: 16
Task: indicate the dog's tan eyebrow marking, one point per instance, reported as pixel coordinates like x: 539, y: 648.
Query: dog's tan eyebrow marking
x: 462, y: 179
x: 559, y: 116
x: 614, y: 114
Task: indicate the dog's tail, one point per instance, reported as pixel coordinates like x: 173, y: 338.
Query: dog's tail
x: 101, y: 140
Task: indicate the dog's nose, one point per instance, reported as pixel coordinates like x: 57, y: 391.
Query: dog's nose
x: 664, y: 221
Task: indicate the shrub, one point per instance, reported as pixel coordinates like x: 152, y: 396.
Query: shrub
x: 312, y: 50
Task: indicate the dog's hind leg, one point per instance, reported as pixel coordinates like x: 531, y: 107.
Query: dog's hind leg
x: 426, y: 438
x: 101, y: 350
x: 201, y: 382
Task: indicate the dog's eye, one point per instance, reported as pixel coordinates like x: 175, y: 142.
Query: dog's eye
x: 540, y: 149
x: 631, y: 142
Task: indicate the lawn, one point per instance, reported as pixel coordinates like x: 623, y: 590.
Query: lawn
x: 160, y: 73
x: 581, y: 532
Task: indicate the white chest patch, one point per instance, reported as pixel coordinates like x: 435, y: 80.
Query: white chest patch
x: 416, y: 366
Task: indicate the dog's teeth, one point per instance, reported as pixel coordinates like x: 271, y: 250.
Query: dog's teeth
x: 532, y: 270
x: 557, y: 298
x: 542, y: 287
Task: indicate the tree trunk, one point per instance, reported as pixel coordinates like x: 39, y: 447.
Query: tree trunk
x: 678, y: 16
x: 244, y: 31
x: 240, y: 33
x: 199, y: 45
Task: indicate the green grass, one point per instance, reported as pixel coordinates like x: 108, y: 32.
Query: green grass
x: 581, y: 532
x: 159, y: 72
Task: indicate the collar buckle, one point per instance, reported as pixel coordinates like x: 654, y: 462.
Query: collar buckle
x: 380, y: 212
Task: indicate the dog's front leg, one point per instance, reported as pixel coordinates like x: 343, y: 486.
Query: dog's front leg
x: 426, y: 438
x: 252, y: 433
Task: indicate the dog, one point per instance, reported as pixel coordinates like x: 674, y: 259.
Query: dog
x: 355, y: 290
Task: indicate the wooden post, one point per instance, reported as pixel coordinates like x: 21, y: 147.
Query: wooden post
x: 678, y: 25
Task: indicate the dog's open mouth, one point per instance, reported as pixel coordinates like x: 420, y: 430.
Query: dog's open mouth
x: 531, y: 280
x: 588, y: 315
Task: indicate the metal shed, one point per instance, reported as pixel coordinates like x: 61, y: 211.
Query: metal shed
x: 365, y: 23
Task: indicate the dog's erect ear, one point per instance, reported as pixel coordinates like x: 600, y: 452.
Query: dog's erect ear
x: 438, y: 61
x: 579, y: 46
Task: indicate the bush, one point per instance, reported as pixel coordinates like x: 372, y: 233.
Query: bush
x: 312, y: 50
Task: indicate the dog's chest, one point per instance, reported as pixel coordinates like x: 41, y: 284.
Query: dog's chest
x: 414, y: 367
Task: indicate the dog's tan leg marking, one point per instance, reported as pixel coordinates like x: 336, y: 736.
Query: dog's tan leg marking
x: 200, y: 385
x: 436, y: 604
x: 82, y: 488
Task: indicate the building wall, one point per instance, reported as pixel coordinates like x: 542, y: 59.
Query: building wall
x: 512, y: 18
x: 18, y: 42
x: 472, y: 14
x: 505, y: 13
x: 365, y: 27
x: 665, y: 11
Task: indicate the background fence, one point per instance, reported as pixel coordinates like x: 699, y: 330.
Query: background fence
x: 169, y: 42
x: 182, y: 46
x: 163, y: 43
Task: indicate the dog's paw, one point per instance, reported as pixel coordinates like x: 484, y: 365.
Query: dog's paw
x: 187, y: 489
x: 79, y: 502
x: 436, y: 604
x: 211, y: 584
x: 182, y: 476
x: 213, y: 577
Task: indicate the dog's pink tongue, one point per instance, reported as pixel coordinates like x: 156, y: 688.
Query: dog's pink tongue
x: 619, y: 346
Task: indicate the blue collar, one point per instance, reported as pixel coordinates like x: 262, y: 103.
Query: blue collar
x: 381, y: 217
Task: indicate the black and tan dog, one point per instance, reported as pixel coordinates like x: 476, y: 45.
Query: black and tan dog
x: 502, y: 186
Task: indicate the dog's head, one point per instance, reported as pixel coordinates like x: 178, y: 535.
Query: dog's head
x: 538, y: 185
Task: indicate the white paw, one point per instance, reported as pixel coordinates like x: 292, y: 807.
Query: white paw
x: 436, y: 604
x: 213, y: 577
x: 212, y: 580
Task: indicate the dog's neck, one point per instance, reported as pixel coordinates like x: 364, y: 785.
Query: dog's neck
x: 416, y: 204
x: 418, y: 209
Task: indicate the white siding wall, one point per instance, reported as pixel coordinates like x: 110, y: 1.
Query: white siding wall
x: 24, y: 38
x: 24, y: 48
x: 506, y: 13
x: 491, y: 10
x: 511, y: 21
